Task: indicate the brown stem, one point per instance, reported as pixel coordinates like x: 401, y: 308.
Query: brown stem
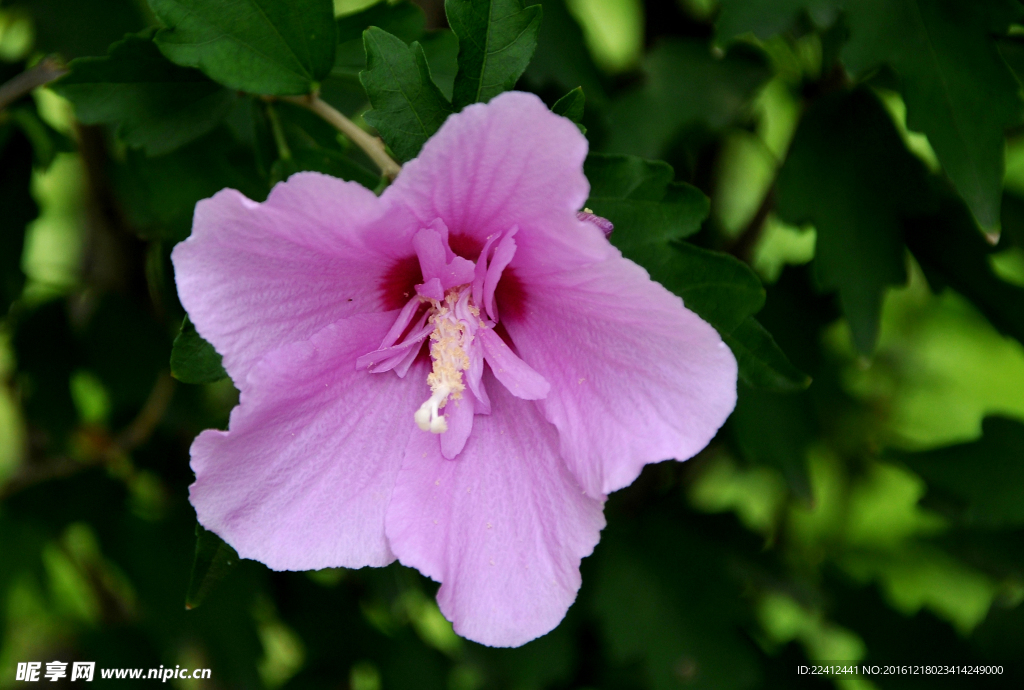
x: 373, y: 146
x: 131, y: 437
x: 49, y: 69
x: 140, y: 428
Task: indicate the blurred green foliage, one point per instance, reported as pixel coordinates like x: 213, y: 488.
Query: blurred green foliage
x: 830, y: 193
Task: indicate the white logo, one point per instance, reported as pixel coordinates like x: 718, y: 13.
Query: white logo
x: 28, y: 670
x: 83, y: 670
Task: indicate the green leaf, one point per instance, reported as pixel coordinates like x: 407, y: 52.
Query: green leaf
x: 571, y: 106
x: 762, y: 364
x: 403, y: 19
x: 685, y: 87
x: 407, y: 106
x: 639, y: 197
x: 19, y: 208
x: 270, y: 47
x: 849, y: 174
x: 213, y: 561
x: 193, y: 360
x: 957, y: 87
x: 952, y: 252
x: 651, y: 214
x: 160, y: 194
x: 766, y: 19
x: 442, y: 51
x: 720, y: 288
x: 986, y: 477
x: 324, y: 161
x: 1012, y: 50
x: 76, y: 28
x: 158, y: 105
x: 496, y: 41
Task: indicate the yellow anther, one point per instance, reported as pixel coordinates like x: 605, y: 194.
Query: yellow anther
x: 448, y: 345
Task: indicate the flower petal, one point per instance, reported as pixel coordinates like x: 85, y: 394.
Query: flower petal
x: 492, y: 166
x: 255, y: 276
x: 435, y: 264
x: 431, y: 289
x: 635, y: 377
x: 474, y: 380
x: 503, y: 255
x: 303, y: 476
x: 513, y: 373
x: 459, y: 416
x: 503, y: 527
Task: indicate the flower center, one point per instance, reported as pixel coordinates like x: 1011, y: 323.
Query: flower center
x: 454, y: 321
x: 454, y: 309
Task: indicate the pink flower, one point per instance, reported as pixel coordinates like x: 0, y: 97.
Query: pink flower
x: 454, y: 374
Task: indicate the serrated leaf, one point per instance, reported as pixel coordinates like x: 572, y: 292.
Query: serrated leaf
x: 496, y: 41
x: 762, y: 364
x: 269, y: 47
x: 720, y: 288
x: 19, y: 208
x: 986, y: 476
x: 193, y: 360
x: 946, y: 57
x: 651, y: 213
x: 639, y: 196
x: 407, y: 106
x: 571, y: 105
x: 849, y: 174
x: 402, y: 19
x: 441, y: 49
x: 213, y: 561
x: 157, y: 105
x: 686, y: 86
x: 952, y: 252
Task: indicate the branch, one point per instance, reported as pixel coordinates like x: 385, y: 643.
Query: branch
x: 131, y: 437
x: 48, y: 69
x: 373, y: 146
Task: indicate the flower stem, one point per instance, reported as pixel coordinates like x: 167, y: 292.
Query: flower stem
x: 46, y: 71
x: 279, y: 139
x: 373, y: 147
